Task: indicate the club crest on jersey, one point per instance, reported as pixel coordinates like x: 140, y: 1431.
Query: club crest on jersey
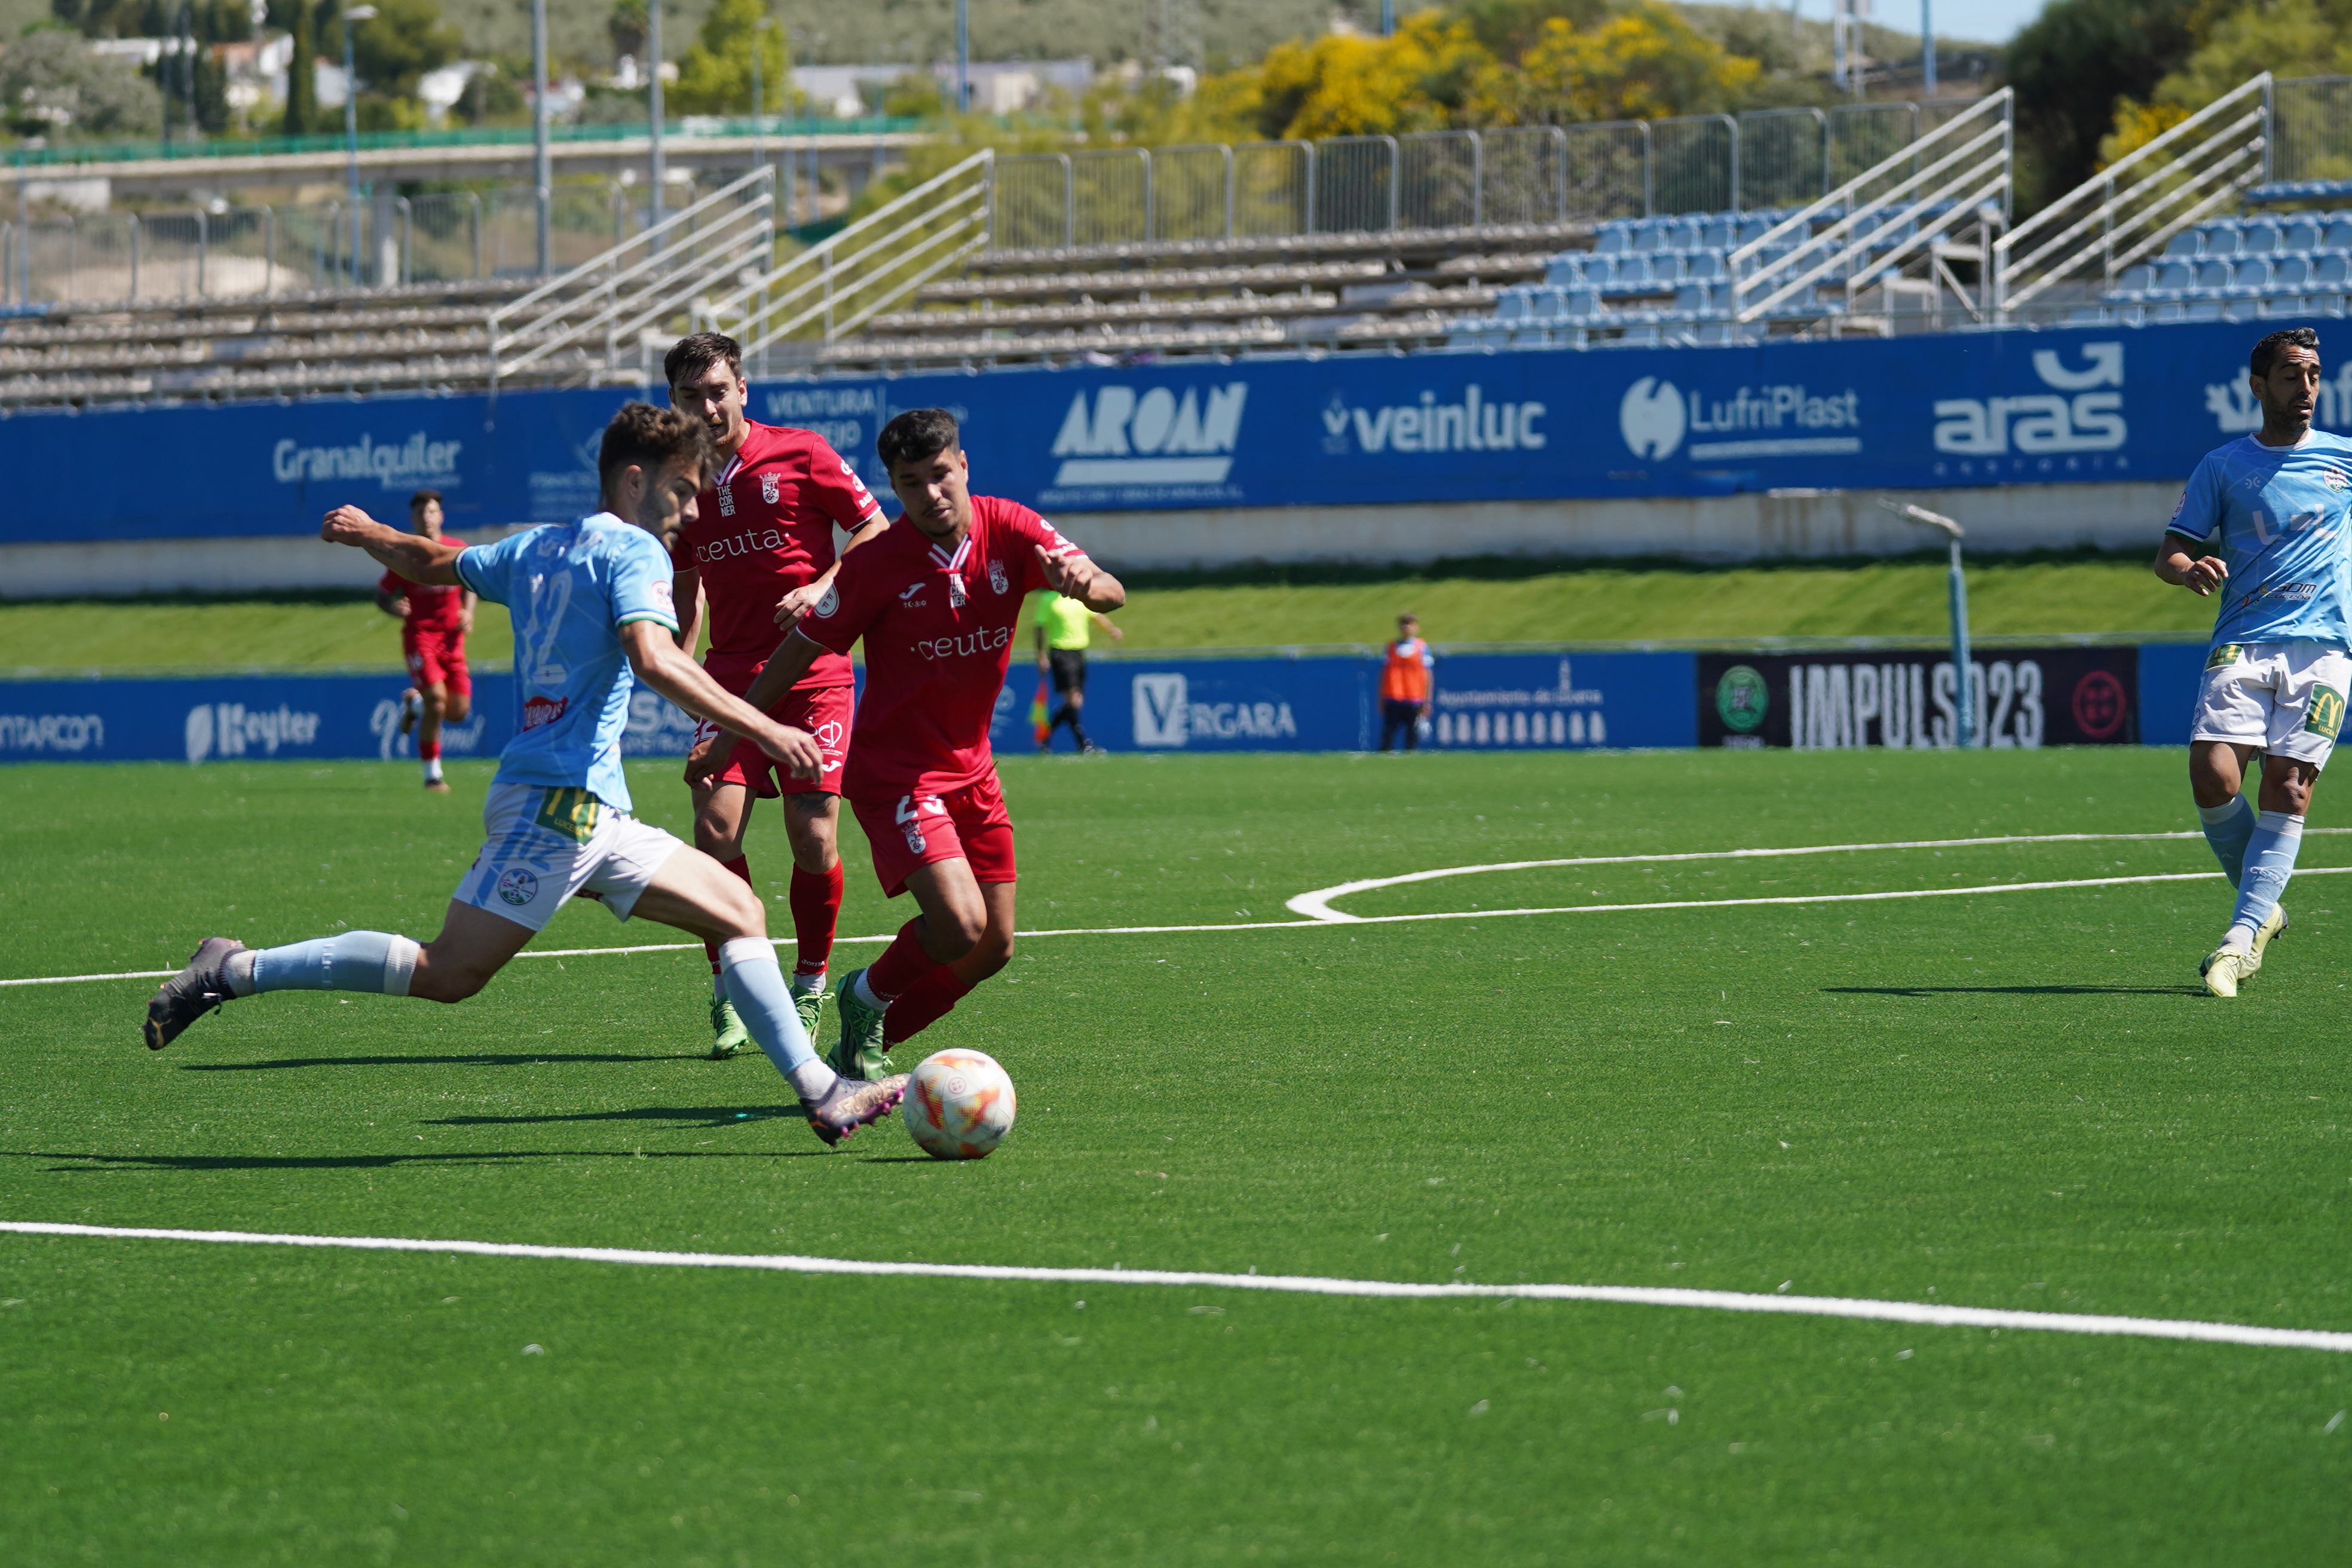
x: 768, y: 483
x: 996, y: 578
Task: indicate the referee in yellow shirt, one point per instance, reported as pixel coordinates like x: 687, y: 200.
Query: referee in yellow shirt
x: 1065, y: 628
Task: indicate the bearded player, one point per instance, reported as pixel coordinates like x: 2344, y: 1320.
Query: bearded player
x: 759, y: 552
x: 937, y: 599
x: 2274, y: 509
x: 434, y: 621
x: 590, y: 602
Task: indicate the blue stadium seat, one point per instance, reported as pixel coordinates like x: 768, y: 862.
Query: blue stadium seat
x: 2292, y: 272
x: 1707, y: 267
x: 2338, y: 236
x: 2332, y: 271
x: 2251, y: 276
x: 1616, y: 240
x: 2263, y: 239
x: 1718, y: 234
x: 2213, y: 276
x: 2188, y: 242
x: 2301, y: 233
x: 2135, y: 281
x: 2176, y: 277
x: 2222, y: 239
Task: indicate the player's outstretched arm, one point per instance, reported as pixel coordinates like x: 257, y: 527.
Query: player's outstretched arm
x: 1082, y: 580
x: 2199, y: 575
x: 413, y: 556
x: 661, y: 664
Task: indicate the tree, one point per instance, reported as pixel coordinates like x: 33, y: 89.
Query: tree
x: 50, y: 84
x: 301, y: 82
x: 1644, y: 63
x: 1347, y: 84
x: 400, y: 43
x: 2072, y: 65
x: 715, y: 77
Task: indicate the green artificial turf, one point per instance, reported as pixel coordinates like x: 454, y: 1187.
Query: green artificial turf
x: 1495, y: 601
x: 2015, y: 1100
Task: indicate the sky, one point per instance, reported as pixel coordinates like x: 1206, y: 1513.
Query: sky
x: 1982, y: 21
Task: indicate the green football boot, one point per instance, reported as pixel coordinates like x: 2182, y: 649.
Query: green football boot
x: 730, y: 1036
x: 860, y: 1052
x: 810, y: 1005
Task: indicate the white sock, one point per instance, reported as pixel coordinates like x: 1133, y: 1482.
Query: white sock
x: 432, y: 770
x: 864, y: 992
x: 755, y: 983
x: 718, y: 987
x: 802, y: 984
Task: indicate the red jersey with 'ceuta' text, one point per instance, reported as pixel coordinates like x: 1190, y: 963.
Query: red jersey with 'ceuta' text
x: 762, y: 528
x: 938, y: 621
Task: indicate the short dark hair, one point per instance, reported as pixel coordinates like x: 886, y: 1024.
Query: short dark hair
x: 700, y: 352
x: 421, y: 497
x: 916, y: 435
x: 647, y: 437
x: 2266, y: 352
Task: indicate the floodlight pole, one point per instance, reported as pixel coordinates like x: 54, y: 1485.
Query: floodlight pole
x: 1928, y: 44
x: 542, y: 170
x: 1967, y: 727
x: 653, y: 109
x: 351, y: 16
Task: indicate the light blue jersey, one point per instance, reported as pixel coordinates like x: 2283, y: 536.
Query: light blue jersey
x: 2277, y: 516
x: 571, y: 587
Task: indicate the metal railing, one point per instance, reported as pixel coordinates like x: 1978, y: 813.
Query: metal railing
x: 1767, y: 158
x: 609, y: 307
x: 2128, y: 211
x: 839, y: 284
x: 259, y: 252
x: 1887, y: 217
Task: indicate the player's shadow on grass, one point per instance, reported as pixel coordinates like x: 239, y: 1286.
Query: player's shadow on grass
x: 108, y: 1164
x: 469, y: 1059
x: 2011, y: 990
x: 686, y: 1116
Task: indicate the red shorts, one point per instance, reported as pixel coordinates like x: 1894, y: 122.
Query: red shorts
x: 437, y: 659
x: 910, y: 831
x: 823, y: 712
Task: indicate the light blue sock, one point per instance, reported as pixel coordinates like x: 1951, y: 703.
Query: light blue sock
x: 755, y: 984
x: 2227, y: 828
x: 371, y: 961
x: 2270, y: 861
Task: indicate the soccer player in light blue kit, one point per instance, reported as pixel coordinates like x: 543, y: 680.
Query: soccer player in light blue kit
x: 2274, y: 506
x: 591, y: 607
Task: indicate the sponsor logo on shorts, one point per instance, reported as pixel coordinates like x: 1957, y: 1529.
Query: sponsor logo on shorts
x: 2325, y: 716
x: 830, y: 735
x: 518, y: 887
x: 570, y: 812
x: 2223, y: 653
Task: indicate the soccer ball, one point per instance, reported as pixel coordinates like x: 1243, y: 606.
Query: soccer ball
x: 959, y: 1105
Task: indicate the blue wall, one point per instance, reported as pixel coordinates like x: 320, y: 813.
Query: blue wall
x: 1484, y: 702
x: 1960, y: 409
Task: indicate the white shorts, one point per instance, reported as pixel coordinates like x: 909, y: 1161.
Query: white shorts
x: 543, y: 845
x: 2282, y: 698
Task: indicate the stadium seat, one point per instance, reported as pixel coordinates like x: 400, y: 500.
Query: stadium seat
x: 2188, y: 242
x: 2261, y: 238
x: 2301, y: 235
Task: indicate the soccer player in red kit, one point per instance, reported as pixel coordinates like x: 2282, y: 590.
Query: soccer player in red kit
x: 434, y: 622
x: 758, y: 554
x: 938, y: 600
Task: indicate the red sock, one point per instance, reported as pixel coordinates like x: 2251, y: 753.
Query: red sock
x: 742, y: 867
x: 428, y: 751
x: 902, y: 963
x: 816, y: 907
x: 922, y: 1004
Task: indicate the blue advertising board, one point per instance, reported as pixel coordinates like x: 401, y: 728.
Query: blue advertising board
x: 2079, y: 405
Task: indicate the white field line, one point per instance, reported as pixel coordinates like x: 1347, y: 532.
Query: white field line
x: 1308, y: 903
x: 1318, y: 904
x: 1927, y: 1314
